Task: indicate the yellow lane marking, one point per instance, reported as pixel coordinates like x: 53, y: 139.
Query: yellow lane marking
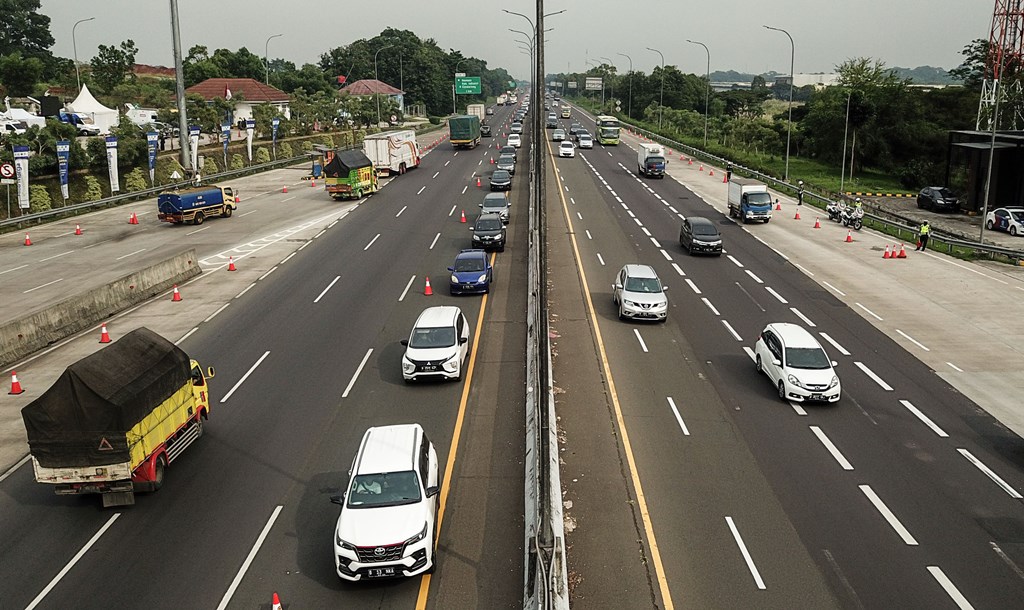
x: 626, y: 445
x: 421, y: 598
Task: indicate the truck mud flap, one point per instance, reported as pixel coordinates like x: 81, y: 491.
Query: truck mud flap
x: 118, y: 498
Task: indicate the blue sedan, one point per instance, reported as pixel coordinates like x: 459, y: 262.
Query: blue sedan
x: 471, y: 273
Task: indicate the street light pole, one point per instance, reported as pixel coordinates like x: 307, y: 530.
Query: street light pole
x: 610, y: 63
x: 266, y: 58
x: 846, y: 130
x: 387, y: 46
x: 629, y: 107
x: 661, y: 100
x: 707, y: 92
x: 74, y: 46
x: 179, y: 86
x: 453, y: 82
x: 792, y: 77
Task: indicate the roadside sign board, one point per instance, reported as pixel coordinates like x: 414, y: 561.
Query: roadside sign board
x: 8, y: 181
x: 467, y: 85
x: 572, y: 84
x: 593, y: 84
x: 6, y: 170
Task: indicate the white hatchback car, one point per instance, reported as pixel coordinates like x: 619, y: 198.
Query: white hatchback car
x: 566, y: 149
x: 585, y: 141
x: 639, y: 294
x: 796, y: 364
x: 437, y: 345
x: 515, y: 140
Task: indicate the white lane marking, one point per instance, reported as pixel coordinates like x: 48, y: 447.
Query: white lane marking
x: 81, y: 552
x: 672, y: 209
x: 214, y: 314
x: 667, y: 256
x: 245, y: 290
x: 955, y: 367
x: 681, y: 217
x: 302, y: 247
x: 287, y: 199
x: 451, y: 212
x: 436, y: 237
x: 407, y: 286
x: 835, y: 344
x: 710, y: 306
x: 400, y: 211
x: 678, y: 269
x: 464, y: 189
x: 196, y: 231
x: 599, y: 259
x: 776, y: 295
x: 572, y: 200
x: 624, y: 206
x: 580, y: 216
x: 834, y: 289
x: 13, y: 269
x: 871, y: 374
x: 619, y: 199
x: 746, y: 554
x: 248, y: 559
x: 643, y: 345
x: 693, y: 286
x: 50, y: 258
x: 239, y: 383
x: 924, y: 418
x: 912, y: 340
x: 729, y: 328
x: 436, y: 174
x: 990, y: 474
x: 799, y: 410
x: 371, y: 242
x: 42, y: 286
x: 329, y: 286
x: 876, y: 316
x: 754, y: 277
x: 272, y: 269
x: 950, y: 589
x: 331, y: 226
x: 247, y: 213
x: 750, y: 352
x: 130, y: 254
x: 679, y: 418
x: 732, y: 258
x: 178, y: 342
x: 655, y: 242
x: 287, y: 258
x: 646, y: 231
x: 11, y: 470
x: 804, y: 269
x: 319, y: 234
x: 355, y: 375
x: 566, y: 188
x: 846, y: 465
x: 942, y: 258
x: 589, y: 236
x: 806, y: 320
x: 423, y: 188
x: 887, y: 514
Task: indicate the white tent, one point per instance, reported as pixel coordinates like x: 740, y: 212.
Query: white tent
x: 101, y: 116
x: 17, y: 114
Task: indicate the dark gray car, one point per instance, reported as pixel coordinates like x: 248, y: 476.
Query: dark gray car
x: 700, y: 236
x: 507, y: 163
x: 489, y: 232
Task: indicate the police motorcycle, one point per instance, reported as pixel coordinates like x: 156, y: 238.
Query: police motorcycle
x: 852, y: 216
x: 834, y: 209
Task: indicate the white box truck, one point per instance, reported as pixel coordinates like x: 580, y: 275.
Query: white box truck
x: 749, y: 200
x: 392, y: 152
x: 650, y: 160
x: 479, y: 110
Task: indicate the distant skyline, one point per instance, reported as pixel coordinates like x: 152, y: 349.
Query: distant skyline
x: 905, y: 33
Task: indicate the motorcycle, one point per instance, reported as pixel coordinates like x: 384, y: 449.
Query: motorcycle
x: 853, y: 217
x: 835, y: 210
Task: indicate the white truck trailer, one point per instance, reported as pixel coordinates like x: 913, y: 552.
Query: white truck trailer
x: 392, y: 152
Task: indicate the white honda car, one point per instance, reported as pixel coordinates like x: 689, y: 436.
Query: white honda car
x: 796, y: 364
x: 566, y: 149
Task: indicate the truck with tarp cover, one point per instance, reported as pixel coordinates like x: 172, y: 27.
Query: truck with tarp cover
x: 348, y: 174
x: 464, y: 131
x: 115, y: 420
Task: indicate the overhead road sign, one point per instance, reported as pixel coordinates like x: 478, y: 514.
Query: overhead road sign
x: 467, y: 85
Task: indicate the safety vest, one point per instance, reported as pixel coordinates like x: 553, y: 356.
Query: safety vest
x: 924, y: 230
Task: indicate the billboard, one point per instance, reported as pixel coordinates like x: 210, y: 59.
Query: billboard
x: 594, y: 84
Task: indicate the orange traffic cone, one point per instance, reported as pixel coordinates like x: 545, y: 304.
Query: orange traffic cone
x: 463, y: 216
x: 133, y: 219
x: 797, y: 215
x: 689, y: 161
x: 903, y: 252
x: 231, y: 264
x: 176, y: 296
x: 104, y: 335
x: 237, y: 199
x: 312, y: 183
x: 15, y: 384
x: 428, y: 290
x: 725, y: 178
x: 894, y: 251
x: 681, y: 157
x: 28, y: 242
x: 492, y: 160
x: 701, y: 168
x: 711, y: 172
x: 284, y: 189
x: 817, y: 223
x: 478, y: 180
x: 275, y: 603
x: 849, y: 236
x: 778, y: 206
x: 78, y: 230
x: 886, y: 254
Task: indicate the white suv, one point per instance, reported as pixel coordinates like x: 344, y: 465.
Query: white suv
x: 388, y: 515
x: 437, y: 345
x: 639, y: 294
x: 796, y: 364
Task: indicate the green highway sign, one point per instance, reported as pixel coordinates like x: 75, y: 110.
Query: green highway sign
x: 466, y: 85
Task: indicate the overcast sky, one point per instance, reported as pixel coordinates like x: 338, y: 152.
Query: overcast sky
x: 903, y: 33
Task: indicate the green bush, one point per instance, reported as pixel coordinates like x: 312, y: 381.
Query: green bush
x: 237, y: 161
x: 307, y: 146
x: 327, y: 140
x: 262, y: 155
x: 210, y: 167
x: 135, y: 180
x: 434, y: 120
x: 93, y: 190
x: 39, y: 198
x: 284, y: 151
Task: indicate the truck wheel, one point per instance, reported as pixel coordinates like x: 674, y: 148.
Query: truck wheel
x: 227, y: 212
x: 359, y: 194
x: 158, y: 474
x: 401, y: 169
x: 198, y: 220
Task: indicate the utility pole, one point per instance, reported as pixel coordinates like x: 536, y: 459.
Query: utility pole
x: 179, y: 77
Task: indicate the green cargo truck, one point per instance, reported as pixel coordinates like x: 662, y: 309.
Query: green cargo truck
x: 464, y: 131
x: 348, y: 174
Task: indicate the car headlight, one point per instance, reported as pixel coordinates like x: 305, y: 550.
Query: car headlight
x: 343, y: 544
x: 793, y: 380
x: 661, y: 304
x: 717, y: 242
x: 451, y: 363
x: 407, y: 366
x: 419, y: 536
x: 482, y: 278
x: 834, y: 382
x: 629, y: 303
x: 455, y: 279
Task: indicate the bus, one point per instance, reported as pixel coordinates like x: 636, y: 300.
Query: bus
x: 607, y: 129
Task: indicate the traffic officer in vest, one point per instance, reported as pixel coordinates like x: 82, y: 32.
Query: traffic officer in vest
x: 922, y: 236
x: 857, y: 203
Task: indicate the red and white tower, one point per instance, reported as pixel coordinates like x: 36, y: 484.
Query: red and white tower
x: 1001, y: 90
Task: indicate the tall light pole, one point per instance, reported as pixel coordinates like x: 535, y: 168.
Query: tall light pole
x: 846, y: 130
x: 707, y: 93
x: 179, y: 88
x: 612, y: 64
x: 629, y: 107
x: 266, y: 58
x: 387, y: 46
x: 74, y: 46
x: 792, y: 77
x: 453, y: 82
x: 661, y: 101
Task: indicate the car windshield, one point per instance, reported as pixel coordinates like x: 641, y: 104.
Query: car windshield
x: 945, y: 193
x: 643, y: 284
x: 495, y: 203
x: 473, y: 263
x: 384, y: 489
x: 807, y: 358
x: 703, y: 229
x: 506, y: 159
x: 432, y: 337
x: 566, y: 145
x: 488, y: 224
x: 1018, y: 215
x: 759, y: 198
x: 500, y: 175
x: 655, y: 160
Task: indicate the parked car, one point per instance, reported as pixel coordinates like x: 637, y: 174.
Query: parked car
x: 515, y: 140
x: 567, y: 149
x: 437, y: 345
x: 700, y: 236
x: 639, y: 294
x: 471, y: 273
x: 585, y: 141
x: 496, y: 203
x: 489, y: 232
x: 501, y: 180
x: 1010, y: 220
x: 938, y: 198
x: 558, y: 135
x: 796, y: 364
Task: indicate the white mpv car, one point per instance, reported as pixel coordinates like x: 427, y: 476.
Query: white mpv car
x: 437, y: 345
x: 796, y: 364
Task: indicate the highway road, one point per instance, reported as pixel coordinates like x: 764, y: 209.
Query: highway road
x: 305, y: 340
x: 713, y: 492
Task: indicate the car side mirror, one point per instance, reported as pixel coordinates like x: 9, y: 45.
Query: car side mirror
x: 664, y: 288
x: 776, y: 362
x: 451, y: 268
x: 433, y: 491
x: 480, y: 204
x: 463, y: 340
x: 338, y: 499
x: 210, y: 373
x: 617, y: 286
x: 834, y: 363
x: 471, y: 229
x: 405, y: 342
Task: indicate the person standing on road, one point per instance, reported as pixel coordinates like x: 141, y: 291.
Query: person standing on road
x: 922, y: 236
x: 800, y: 192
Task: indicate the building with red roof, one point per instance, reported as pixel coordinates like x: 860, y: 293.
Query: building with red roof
x: 249, y: 92
x: 369, y: 86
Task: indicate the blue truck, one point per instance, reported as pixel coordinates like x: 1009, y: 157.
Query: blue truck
x: 749, y: 200
x: 195, y: 205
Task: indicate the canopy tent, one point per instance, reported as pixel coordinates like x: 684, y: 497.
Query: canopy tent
x: 17, y: 114
x: 101, y: 116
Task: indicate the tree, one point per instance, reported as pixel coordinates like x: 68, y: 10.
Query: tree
x: 20, y: 74
x: 972, y: 71
x: 112, y: 65
x: 25, y: 29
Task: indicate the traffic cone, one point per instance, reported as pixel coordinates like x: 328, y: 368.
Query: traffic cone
x: 478, y: 180
x: 15, y: 384
x: 176, y: 296
x: 104, y: 335
x: 817, y: 223
x: 886, y: 254
x: 778, y: 206
x: 797, y: 215
x: 231, y: 264
x: 492, y: 160
x: 133, y: 219
x: 275, y: 603
x: 28, y: 242
x: 894, y: 254
x: 681, y: 157
x: 312, y: 183
x: 725, y: 178
x: 428, y: 290
x: 78, y: 230
x: 849, y: 236
x: 463, y: 220
x: 284, y: 189
x: 701, y: 167
x: 689, y: 161
x: 237, y: 199
x: 903, y: 252
x: 711, y: 172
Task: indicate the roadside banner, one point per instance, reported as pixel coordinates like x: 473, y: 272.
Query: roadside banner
x: 250, y: 126
x: 274, y: 124
x: 21, y: 170
x: 152, y: 141
x: 193, y: 137
x: 115, y: 184
x: 63, y: 159
x: 225, y: 138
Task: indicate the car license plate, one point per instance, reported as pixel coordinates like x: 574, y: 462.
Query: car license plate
x: 818, y: 397
x: 430, y: 368
x: 380, y: 572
